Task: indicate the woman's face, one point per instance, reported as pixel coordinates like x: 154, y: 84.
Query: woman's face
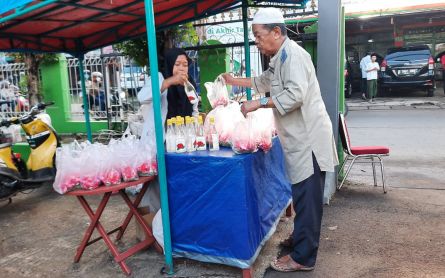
x: 181, y: 65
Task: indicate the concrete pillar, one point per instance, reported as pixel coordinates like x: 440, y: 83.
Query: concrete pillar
x: 328, y: 65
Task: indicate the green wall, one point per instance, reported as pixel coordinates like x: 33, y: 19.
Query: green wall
x: 55, y: 87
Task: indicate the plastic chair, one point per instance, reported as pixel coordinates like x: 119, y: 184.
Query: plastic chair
x: 360, y: 154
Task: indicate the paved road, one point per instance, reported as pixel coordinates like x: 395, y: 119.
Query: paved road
x: 416, y: 139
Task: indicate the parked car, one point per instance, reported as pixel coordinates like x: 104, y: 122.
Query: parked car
x: 408, y: 67
x: 132, y: 79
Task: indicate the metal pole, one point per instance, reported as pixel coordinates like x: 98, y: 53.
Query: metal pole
x: 246, y: 46
x: 86, y: 109
x: 153, y: 55
x: 341, y: 96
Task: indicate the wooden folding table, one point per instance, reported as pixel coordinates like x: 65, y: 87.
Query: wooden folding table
x: 107, y: 191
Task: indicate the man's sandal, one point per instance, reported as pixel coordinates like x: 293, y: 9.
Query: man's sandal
x: 287, y: 264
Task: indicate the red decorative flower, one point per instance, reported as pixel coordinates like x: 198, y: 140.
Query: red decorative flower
x: 200, y: 144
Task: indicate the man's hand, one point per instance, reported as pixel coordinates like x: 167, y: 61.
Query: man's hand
x: 250, y: 106
x: 228, y: 78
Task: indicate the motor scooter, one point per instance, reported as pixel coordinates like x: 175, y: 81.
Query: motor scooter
x: 39, y: 169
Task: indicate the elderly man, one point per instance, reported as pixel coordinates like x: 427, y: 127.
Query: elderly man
x: 96, y: 93
x: 303, y: 126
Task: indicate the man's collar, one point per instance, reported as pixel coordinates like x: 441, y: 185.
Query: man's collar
x: 275, y: 57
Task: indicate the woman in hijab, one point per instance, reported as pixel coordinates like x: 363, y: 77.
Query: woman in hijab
x: 174, y: 102
x: 177, y: 63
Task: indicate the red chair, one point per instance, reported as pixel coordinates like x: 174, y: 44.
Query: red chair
x: 360, y: 154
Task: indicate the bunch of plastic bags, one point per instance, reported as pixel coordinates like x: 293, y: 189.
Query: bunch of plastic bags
x: 244, y: 135
x: 254, y: 132
x: 88, y: 166
x: 226, y: 117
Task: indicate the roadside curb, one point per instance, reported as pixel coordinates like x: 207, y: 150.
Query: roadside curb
x: 390, y: 104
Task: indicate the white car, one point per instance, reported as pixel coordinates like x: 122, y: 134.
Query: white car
x: 133, y: 78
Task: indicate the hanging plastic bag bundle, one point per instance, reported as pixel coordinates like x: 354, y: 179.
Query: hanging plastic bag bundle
x: 217, y: 92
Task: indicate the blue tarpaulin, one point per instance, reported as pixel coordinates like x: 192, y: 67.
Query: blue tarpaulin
x: 8, y: 5
x: 224, y: 206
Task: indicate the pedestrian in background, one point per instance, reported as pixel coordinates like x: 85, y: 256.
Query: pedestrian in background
x: 371, y: 76
x: 363, y: 65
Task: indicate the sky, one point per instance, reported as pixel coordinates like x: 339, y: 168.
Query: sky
x: 373, y: 5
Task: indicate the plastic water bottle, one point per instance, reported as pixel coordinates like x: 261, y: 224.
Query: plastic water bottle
x: 200, y: 135
x: 213, y: 136
x: 180, y: 145
x: 190, y: 133
x: 170, y: 137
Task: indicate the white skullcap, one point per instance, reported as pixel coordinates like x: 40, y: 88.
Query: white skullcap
x: 96, y: 73
x: 268, y: 16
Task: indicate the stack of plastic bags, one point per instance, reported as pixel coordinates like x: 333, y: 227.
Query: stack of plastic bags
x: 254, y: 132
x: 226, y: 117
x: 88, y: 166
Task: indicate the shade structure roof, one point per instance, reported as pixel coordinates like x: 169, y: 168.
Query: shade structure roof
x: 78, y: 26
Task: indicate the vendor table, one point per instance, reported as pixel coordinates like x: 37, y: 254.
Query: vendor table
x: 107, y: 191
x: 224, y: 206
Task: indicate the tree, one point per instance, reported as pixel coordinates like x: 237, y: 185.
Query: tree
x: 33, y: 62
x: 136, y: 49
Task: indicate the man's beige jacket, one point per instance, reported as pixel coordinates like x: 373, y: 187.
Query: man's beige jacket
x: 302, y: 123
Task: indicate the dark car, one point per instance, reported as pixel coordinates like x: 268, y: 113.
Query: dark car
x: 408, y: 67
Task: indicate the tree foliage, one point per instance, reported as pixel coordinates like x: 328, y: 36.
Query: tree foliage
x: 33, y: 62
x: 136, y: 49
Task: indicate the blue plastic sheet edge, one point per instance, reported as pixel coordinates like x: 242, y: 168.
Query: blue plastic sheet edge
x: 243, y: 264
x: 7, y: 6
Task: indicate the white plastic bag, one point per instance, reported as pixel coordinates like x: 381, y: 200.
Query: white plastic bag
x: 108, y: 168
x: 217, y: 92
x: 245, y: 140
x: 125, y: 154
x: 89, y: 176
x: 263, y: 125
x: 191, y: 93
x: 64, y: 180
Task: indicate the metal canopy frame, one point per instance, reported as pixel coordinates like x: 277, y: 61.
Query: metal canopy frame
x: 17, y: 15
